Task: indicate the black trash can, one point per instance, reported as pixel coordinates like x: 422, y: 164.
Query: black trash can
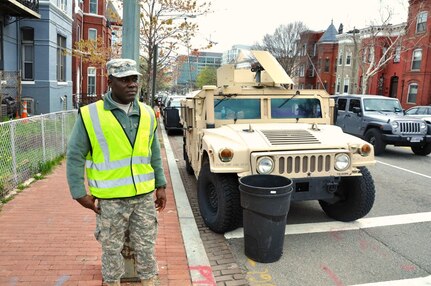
x: 265, y: 200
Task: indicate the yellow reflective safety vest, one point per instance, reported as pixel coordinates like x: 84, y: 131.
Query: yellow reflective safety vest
x: 115, y: 168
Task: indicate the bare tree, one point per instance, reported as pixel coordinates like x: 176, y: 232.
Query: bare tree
x: 165, y: 26
x: 379, y: 44
x: 283, y: 44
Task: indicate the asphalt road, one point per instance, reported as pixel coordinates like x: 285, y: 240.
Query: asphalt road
x: 390, y: 246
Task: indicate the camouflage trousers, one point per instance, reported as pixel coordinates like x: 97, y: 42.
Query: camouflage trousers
x: 137, y: 215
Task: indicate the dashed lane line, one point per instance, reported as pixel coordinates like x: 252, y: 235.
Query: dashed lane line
x: 342, y: 226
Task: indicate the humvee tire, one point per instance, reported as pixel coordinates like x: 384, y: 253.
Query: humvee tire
x: 356, y: 196
x: 219, y: 200
x: 422, y: 150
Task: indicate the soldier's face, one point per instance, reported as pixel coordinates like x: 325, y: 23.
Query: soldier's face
x: 124, y: 89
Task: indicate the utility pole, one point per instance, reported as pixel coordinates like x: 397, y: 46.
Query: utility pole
x: 130, y: 50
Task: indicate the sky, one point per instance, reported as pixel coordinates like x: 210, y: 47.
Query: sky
x: 245, y: 22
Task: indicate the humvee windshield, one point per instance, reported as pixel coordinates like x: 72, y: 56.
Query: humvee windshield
x: 295, y: 108
x: 232, y: 108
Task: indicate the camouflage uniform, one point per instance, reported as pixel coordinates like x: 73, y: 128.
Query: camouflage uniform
x: 138, y: 215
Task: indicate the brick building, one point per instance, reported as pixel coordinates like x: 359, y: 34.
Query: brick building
x: 90, y: 22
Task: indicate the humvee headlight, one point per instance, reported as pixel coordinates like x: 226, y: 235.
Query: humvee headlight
x: 265, y: 165
x: 225, y: 155
x: 365, y: 150
x: 423, y: 125
x: 394, y: 124
x: 342, y: 162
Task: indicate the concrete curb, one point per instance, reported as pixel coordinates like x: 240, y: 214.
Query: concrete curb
x: 200, y: 267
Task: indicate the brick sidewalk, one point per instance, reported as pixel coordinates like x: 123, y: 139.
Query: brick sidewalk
x: 46, y: 238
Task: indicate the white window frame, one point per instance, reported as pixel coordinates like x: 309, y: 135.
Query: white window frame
x: 61, y: 58
x: 340, y: 58
x: 91, y: 74
x: 27, y: 44
x: 410, y: 94
x: 416, y: 60
x: 346, y: 84
x: 62, y: 4
x: 89, y: 6
x: 301, y: 71
x: 348, y: 59
x: 337, y: 90
x: 397, y: 56
x: 421, y: 22
x: 90, y: 32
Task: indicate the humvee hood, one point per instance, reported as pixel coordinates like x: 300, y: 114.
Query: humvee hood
x: 279, y: 136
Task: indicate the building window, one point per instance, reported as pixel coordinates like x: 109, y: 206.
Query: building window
x: 346, y: 85
x: 93, y: 6
x: 371, y: 55
x: 348, y: 59
x: 61, y: 58
x: 397, y: 55
x: 338, y: 85
x: 304, y: 50
x: 421, y: 22
x: 62, y: 4
x: 326, y: 65
x: 340, y: 58
x: 91, y: 80
x: 416, y: 59
x: 27, y: 46
x: 92, y: 34
x: 413, y: 92
x: 314, y: 49
x: 301, y: 70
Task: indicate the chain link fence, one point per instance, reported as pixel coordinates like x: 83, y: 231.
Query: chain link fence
x: 26, y: 144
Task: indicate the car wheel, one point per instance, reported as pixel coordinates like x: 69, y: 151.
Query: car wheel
x: 374, y: 137
x: 422, y: 150
x: 356, y: 198
x: 219, y: 200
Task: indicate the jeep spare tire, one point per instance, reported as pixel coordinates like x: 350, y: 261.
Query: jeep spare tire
x: 219, y: 200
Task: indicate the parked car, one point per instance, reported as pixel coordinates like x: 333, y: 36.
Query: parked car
x: 380, y: 120
x: 423, y: 112
x: 171, y: 114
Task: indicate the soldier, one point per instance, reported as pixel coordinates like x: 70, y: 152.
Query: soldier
x: 115, y: 141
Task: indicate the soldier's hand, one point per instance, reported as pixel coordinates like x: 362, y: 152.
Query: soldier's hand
x: 160, y: 199
x: 89, y: 203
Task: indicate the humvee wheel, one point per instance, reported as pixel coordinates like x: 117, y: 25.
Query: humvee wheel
x: 374, y: 137
x: 219, y: 200
x: 356, y: 196
x: 422, y: 150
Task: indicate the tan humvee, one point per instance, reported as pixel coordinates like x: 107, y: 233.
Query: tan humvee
x: 252, y: 124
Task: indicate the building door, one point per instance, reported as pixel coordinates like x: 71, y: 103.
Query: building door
x: 394, y: 87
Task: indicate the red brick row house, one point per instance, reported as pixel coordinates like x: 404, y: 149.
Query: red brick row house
x: 338, y: 61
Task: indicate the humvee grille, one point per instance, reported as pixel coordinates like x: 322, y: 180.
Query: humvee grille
x: 289, y: 137
x: 300, y: 164
x: 407, y: 127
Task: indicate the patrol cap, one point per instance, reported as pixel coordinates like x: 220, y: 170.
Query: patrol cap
x: 122, y: 67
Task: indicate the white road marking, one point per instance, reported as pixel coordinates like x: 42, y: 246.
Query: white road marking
x: 342, y: 226
x: 406, y: 170
x: 422, y: 281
